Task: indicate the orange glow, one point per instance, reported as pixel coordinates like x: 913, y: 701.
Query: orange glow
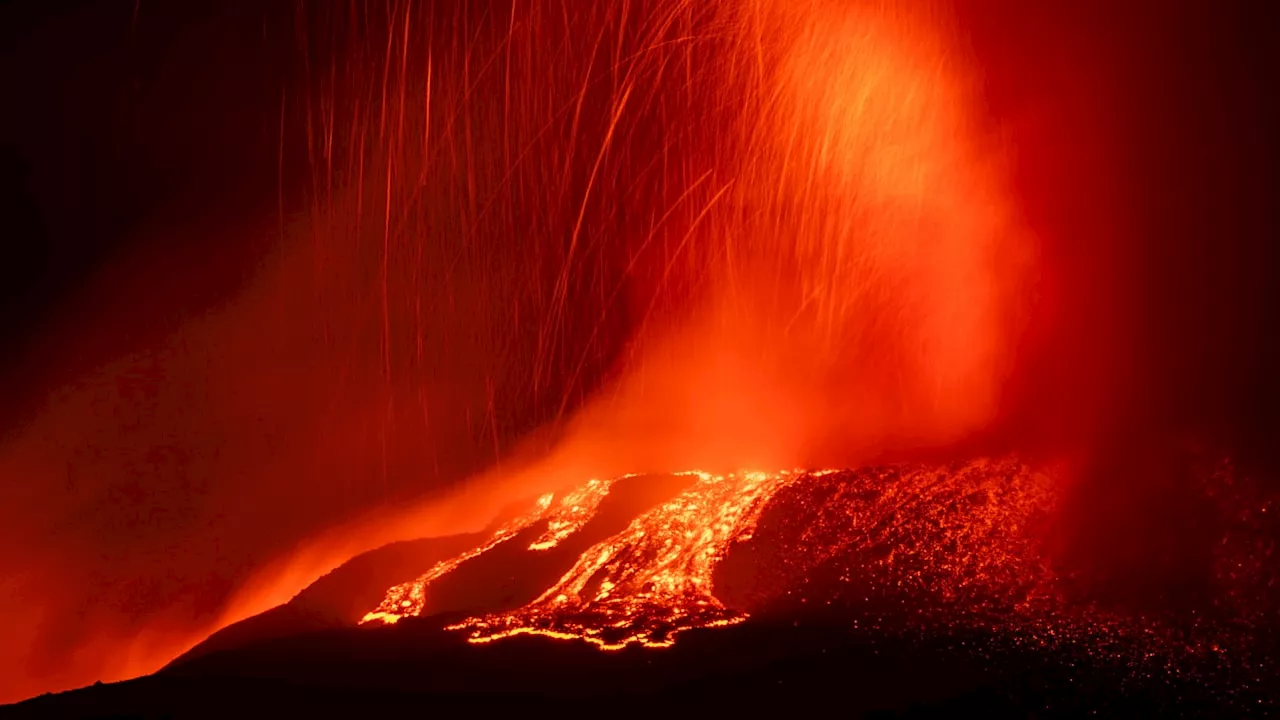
x: 856, y: 263
x: 409, y: 598
x: 846, y: 281
x: 790, y: 211
x: 962, y: 534
x: 652, y: 580
x: 571, y: 513
x: 566, y: 516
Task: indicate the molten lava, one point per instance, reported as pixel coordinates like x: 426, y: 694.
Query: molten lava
x: 959, y: 548
x: 568, y: 514
x: 654, y: 579
x: 962, y: 532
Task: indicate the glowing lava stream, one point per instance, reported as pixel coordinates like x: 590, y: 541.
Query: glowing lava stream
x: 566, y: 517
x: 643, y: 585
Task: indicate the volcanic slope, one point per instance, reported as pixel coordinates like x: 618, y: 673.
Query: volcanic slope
x: 888, y: 587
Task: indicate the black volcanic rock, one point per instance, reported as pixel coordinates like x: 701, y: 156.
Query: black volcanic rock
x: 912, y: 590
x: 506, y: 577
x: 341, y: 597
x: 799, y: 666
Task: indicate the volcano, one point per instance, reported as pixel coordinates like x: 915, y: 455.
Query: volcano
x: 896, y: 587
x: 365, y: 357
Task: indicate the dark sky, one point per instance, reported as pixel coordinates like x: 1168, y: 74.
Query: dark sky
x: 117, y: 121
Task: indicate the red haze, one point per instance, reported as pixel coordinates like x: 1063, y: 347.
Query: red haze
x: 665, y: 233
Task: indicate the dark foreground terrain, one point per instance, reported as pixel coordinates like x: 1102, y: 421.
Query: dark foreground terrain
x: 415, y: 668
x: 896, y: 590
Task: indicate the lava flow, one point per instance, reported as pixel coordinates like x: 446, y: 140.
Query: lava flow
x: 643, y: 585
x: 569, y: 513
x: 654, y: 579
x: 955, y: 548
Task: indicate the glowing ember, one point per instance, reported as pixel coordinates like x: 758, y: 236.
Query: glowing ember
x: 652, y: 580
x: 960, y: 534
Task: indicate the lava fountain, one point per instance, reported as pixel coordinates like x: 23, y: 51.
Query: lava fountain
x: 856, y: 273
x: 671, y: 235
